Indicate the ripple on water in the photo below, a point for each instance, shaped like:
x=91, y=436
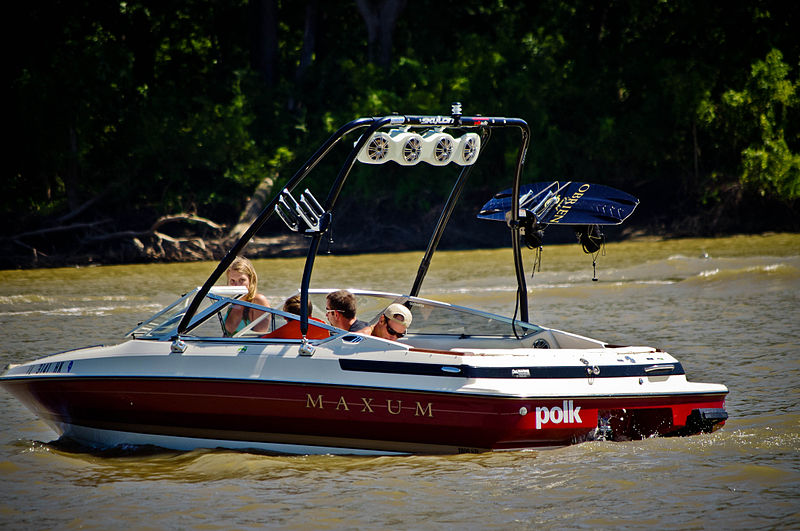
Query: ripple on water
x=732, y=318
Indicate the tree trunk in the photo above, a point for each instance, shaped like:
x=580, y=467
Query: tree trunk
x=380, y=17
x=265, y=47
x=306, y=54
x=309, y=39
x=253, y=208
x=71, y=176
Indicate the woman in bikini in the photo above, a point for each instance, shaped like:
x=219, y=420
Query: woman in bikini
x=242, y=273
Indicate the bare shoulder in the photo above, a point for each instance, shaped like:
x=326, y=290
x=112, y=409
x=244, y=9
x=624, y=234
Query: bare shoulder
x=261, y=299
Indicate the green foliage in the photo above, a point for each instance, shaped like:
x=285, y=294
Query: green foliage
x=763, y=110
x=159, y=104
x=756, y=129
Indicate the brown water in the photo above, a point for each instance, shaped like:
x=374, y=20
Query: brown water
x=728, y=308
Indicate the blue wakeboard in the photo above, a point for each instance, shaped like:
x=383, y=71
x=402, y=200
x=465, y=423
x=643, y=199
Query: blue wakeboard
x=564, y=203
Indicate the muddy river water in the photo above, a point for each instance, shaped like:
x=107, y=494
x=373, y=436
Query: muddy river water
x=728, y=309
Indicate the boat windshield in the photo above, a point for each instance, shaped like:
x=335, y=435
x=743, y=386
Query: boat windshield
x=430, y=317
x=166, y=320
x=434, y=317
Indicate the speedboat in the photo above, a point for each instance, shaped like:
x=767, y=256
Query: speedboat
x=460, y=380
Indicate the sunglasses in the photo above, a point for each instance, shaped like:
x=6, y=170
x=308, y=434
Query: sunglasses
x=391, y=330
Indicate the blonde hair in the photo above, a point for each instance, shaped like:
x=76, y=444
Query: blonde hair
x=244, y=266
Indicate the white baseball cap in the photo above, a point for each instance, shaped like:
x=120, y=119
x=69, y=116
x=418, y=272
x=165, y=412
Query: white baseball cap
x=399, y=314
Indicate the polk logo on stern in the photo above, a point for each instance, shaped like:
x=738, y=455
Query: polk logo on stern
x=558, y=415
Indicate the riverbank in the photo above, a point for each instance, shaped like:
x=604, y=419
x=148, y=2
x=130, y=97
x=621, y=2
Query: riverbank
x=368, y=227
x=288, y=246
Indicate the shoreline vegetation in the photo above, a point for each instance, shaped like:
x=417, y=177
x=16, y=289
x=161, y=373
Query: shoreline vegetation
x=293, y=246
x=152, y=132
x=198, y=239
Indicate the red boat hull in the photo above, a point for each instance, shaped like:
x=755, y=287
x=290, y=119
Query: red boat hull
x=377, y=419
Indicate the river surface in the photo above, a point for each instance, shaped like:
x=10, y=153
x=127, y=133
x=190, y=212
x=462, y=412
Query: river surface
x=728, y=309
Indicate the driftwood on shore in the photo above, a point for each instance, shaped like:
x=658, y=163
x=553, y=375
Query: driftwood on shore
x=163, y=246
x=190, y=238
x=50, y=245
x=179, y=237
x=184, y=236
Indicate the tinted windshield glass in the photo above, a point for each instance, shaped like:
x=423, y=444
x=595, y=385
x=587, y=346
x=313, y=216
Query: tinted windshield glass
x=165, y=319
x=438, y=318
x=165, y=322
x=430, y=319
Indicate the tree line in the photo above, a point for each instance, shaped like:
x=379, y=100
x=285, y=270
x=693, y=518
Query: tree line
x=138, y=126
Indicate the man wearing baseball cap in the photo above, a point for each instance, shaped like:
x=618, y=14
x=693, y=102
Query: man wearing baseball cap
x=393, y=323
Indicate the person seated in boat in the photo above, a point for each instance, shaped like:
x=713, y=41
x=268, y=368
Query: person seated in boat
x=242, y=273
x=341, y=311
x=291, y=330
x=393, y=323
